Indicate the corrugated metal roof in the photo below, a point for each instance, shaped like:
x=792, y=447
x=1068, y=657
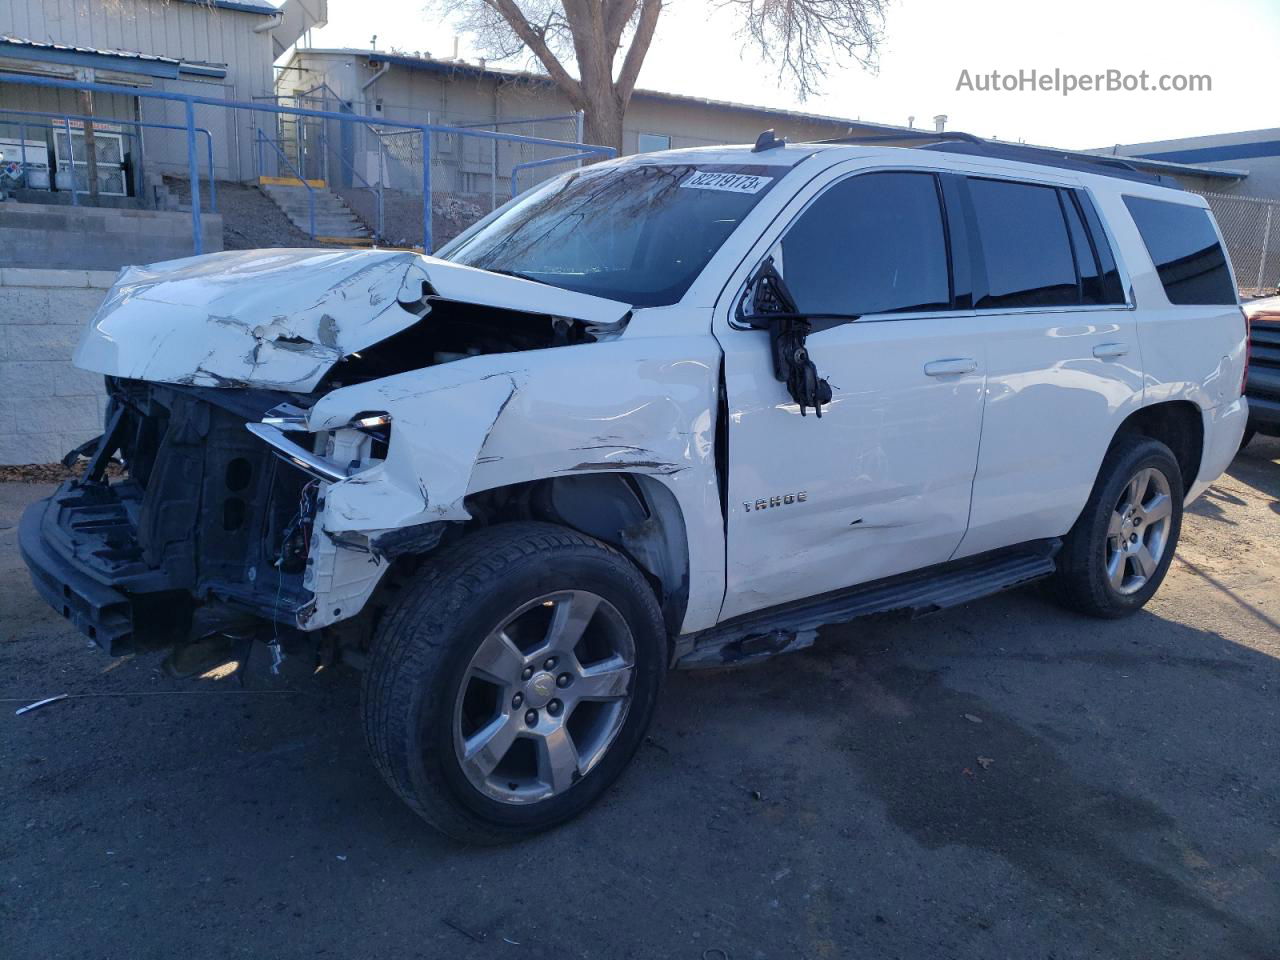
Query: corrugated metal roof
x=65, y=50
x=244, y=6
x=68, y=48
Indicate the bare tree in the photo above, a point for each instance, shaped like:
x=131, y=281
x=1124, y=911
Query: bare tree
x=586, y=37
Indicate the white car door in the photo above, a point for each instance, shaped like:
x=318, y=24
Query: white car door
x=880, y=483
x=1063, y=362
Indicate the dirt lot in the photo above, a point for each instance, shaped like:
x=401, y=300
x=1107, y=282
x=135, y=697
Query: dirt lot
x=1004, y=780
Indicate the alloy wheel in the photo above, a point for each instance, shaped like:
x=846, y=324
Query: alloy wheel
x=1138, y=531
x=544, y=696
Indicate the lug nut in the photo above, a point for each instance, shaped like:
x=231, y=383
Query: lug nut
x=528, y=672
x=531, y=717
x=1133, y=538
x=550, y=664
x=517, y=700
x=554, y=708
x=563, y=680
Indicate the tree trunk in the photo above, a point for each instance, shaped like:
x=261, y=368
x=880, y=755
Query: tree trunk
x=602, y=123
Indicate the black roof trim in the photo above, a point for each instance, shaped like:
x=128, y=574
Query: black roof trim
x=966, y=143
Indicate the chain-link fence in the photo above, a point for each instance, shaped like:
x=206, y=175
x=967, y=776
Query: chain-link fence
x=1251, y=228
x=335, y=175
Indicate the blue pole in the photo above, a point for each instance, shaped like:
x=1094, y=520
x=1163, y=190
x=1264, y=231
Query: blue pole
x=213, y=187
x=426, y=192
x=193, y=171
x=71, y=161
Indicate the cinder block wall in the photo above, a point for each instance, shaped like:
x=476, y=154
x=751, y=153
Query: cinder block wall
x=47, y=406
x=98, y=238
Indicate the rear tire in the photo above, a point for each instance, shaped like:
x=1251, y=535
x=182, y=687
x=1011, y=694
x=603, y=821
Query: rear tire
x=462, y=714
x=1117, y=554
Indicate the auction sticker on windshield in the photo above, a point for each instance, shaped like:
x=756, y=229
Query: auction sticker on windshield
x=731, y=182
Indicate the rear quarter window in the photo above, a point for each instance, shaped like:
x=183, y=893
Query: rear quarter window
x=1185, y=250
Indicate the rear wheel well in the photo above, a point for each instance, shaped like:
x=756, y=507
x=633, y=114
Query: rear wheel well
x=1178, y=425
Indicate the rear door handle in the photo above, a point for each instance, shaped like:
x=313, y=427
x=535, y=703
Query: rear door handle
x=947, y=368
x=1110, y=351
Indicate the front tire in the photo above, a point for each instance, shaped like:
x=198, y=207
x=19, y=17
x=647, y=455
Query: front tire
x=1117, y=554
x=513, y=680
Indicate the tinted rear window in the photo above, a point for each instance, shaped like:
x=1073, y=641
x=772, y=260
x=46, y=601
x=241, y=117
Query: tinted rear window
x=873, y=243
x=1185, y=250
x=1025, y=245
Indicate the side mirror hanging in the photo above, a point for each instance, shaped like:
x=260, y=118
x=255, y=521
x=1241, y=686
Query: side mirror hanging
x=774, y=309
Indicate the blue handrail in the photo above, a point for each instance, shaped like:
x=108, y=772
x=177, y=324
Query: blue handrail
x=548, y=161
x=376, y=190
x=311, y=193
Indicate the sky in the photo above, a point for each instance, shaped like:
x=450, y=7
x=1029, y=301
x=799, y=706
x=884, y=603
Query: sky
x=927, y=46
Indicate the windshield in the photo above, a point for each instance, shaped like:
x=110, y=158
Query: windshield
x=639, y=233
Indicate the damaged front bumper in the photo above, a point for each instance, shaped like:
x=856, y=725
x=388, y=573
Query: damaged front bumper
x=208, y=531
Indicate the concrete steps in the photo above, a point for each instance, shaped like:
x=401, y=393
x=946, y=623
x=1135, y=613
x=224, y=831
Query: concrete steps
x=334, y=220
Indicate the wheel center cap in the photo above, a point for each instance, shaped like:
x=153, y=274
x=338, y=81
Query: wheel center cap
x=539, y=690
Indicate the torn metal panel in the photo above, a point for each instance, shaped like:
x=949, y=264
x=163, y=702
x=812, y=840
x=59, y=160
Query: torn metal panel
x=341, y=578
x=642, y=405
x=283, y=318
x=437, y=434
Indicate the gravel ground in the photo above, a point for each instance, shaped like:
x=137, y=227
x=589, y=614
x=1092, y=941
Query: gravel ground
x=1002, y=780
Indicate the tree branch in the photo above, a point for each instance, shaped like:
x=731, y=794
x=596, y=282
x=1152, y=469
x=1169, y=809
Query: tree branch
x=536, y=41
x=626, y=82
x=617, y=14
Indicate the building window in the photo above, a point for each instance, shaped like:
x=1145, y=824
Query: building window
x=652, y=142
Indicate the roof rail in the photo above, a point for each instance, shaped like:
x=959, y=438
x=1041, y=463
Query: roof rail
x=953, y=141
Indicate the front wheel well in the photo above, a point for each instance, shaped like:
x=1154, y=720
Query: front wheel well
x=633, y=513
x=1178, y=425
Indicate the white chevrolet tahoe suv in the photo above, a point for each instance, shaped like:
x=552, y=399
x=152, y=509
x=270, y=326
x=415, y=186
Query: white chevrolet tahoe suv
x=674, y=410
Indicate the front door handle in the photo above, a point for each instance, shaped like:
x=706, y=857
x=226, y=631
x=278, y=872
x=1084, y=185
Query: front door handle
x=1110, y=351
x=950, y=368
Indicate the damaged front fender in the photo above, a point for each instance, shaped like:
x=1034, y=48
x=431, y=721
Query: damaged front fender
x=644, y=405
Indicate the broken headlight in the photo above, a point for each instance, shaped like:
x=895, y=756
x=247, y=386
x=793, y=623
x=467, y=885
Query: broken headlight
x=330, y=449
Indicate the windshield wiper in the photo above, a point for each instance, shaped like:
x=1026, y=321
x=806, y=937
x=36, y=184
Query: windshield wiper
x=518, y=275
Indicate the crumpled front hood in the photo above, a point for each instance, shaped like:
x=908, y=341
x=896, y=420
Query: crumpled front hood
x=282, y=318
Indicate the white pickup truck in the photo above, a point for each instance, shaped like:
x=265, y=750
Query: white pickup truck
x=674, y=410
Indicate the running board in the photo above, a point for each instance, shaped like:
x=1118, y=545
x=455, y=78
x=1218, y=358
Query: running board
x=766, y=633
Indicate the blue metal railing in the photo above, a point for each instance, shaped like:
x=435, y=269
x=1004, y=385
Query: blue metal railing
x=374, y=189
x=191, y=101
x=65, y=126
x=311, y=191
x=548, y=161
